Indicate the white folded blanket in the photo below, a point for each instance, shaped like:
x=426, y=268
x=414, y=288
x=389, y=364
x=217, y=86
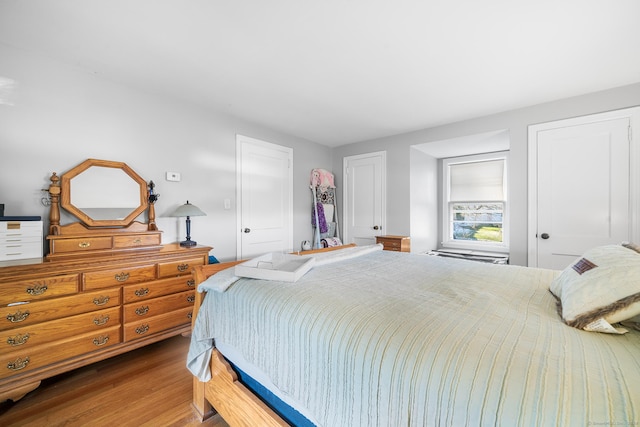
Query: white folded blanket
x=221, y=281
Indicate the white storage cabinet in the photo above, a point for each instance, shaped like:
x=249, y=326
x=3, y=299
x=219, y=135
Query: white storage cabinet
x=20, y=240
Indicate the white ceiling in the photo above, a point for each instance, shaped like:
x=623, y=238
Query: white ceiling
x=341, y=71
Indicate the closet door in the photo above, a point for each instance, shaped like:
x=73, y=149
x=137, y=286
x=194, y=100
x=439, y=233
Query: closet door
x=580, y=187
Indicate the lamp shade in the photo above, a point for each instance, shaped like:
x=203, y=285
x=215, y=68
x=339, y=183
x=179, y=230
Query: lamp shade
x=187, y=210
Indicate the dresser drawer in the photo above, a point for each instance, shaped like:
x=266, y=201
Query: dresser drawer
x=177, y=268
x=40, y=311
x=21, y=251
x=25, y=360
x=20, y=228
x=80, y=245
x=135, y=241
x=8, y=240
x=120, y=276
x=392, y=245
x=144, y=291
x=395, y=243
x=153, y=307
x=37, y=289
x=155, y=324
x=53, y=330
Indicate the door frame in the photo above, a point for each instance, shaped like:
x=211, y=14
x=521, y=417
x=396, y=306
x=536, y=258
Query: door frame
x=240, y=139
x=345, y=191
x=633, y=114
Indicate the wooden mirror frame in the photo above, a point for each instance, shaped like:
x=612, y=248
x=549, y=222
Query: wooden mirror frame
x=65, y=199
x=91, y=237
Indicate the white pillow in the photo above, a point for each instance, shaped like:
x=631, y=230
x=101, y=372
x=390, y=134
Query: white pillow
x=603, y=284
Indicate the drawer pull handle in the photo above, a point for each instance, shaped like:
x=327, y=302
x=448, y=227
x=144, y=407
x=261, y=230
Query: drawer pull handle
x=141, y=311
x=37, y=289
x=137, y=241
x=183, y=267
x=142, y=329
x=122, y=277
x=84, y=245
x=191, y=298
x=20, y=363
x=101, y=320
x=18, y=317
x=191, y=283
x=101, y=300
x=18, y=340
x=101, y=340
x=142, y=292
x=189, y=315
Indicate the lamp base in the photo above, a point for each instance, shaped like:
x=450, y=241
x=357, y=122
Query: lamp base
x=188, y=243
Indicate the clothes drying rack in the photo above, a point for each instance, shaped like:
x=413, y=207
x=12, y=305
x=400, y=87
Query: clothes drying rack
x=325, y=209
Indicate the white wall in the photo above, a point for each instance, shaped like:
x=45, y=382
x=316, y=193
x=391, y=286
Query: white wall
x=62, y=115
x=423, y=201
x=399, y=151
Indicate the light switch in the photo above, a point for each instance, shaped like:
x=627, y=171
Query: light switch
x=173, y=176
x=227, y=203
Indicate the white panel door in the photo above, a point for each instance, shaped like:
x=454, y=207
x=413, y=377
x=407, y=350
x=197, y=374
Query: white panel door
x=364, y=197
x=265, y=192
x=582, y=189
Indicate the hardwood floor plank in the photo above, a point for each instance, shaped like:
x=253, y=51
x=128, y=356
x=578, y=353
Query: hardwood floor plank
x=150, y=386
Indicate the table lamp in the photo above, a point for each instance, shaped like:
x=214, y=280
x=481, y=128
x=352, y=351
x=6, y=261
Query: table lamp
x=188, y=210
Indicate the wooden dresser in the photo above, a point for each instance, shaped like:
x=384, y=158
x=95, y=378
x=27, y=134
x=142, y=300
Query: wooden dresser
x=106, y=286
x=395, y=243
x=59, y=315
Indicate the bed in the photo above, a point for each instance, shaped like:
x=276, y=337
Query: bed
x=377, y=338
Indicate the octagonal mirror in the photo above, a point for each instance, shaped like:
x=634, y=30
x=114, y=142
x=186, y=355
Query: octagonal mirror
x=103, y=193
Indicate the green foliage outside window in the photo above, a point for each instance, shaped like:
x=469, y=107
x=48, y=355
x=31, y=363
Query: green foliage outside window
x=477, y=221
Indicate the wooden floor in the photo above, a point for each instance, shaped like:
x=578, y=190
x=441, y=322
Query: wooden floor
x=146, y=387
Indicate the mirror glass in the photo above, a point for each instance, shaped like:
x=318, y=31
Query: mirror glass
x=104, y=193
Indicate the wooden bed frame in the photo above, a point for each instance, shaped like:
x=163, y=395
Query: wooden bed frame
x=223, y=393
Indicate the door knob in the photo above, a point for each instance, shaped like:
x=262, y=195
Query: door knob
x=247, y=230
x=545, y=236
x=375, y=227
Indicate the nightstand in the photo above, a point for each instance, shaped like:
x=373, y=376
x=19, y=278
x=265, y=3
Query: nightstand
x=395, y=243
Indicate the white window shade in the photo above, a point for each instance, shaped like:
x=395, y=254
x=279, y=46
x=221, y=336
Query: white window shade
x=476, y=181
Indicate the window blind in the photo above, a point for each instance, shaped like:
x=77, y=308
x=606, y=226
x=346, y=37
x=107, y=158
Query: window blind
x=477, y=181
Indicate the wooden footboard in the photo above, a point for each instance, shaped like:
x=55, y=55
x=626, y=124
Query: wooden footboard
x=231, y=399
x=224, y=394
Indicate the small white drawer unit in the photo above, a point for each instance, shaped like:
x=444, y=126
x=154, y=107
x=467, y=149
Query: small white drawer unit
x=20, y=239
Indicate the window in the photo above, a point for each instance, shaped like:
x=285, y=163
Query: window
x=475, y=202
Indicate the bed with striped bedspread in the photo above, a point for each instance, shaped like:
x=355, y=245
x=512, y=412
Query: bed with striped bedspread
x=378, y=338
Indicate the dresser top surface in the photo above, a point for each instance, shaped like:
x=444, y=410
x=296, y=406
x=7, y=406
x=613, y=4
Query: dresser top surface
x=39, y=266
x=20, y=218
